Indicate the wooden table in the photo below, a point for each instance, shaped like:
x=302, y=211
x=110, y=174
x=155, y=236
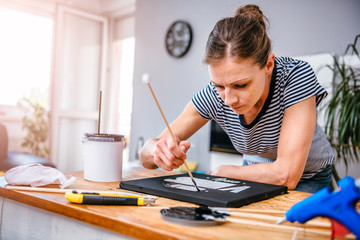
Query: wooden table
x=51, y=216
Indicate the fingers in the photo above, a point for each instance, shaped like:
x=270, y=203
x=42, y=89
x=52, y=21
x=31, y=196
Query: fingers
x=185, y=145
x=168, y=155
x=175, y=149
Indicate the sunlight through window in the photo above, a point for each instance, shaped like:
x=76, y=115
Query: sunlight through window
x=25, y=59
x=127, y=55
x=126, y=91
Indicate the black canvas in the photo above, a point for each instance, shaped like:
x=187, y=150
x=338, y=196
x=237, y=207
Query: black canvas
x=215, y=191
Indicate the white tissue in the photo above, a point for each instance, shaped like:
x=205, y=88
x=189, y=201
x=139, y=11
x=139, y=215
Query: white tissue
x=37, y=175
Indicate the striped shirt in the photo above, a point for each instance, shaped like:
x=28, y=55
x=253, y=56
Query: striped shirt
x=292, y=81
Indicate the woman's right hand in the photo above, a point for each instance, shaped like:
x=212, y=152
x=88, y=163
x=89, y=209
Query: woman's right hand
x=164, y=153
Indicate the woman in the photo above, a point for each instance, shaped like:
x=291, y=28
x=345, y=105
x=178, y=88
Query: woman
x=266, y=104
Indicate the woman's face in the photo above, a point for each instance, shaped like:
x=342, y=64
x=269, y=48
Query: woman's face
x=242, y=85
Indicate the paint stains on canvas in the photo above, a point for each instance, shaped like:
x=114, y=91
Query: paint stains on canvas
x=215, y=183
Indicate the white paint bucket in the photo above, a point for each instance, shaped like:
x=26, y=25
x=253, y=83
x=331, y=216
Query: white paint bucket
x=102, y=155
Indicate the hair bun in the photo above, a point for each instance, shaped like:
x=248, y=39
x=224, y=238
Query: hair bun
x=252, y=11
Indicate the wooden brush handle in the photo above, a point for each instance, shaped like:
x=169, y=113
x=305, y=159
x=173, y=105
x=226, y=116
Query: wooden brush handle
x=168, y=126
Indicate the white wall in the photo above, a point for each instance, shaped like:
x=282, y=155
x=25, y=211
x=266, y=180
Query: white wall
x=297, y=28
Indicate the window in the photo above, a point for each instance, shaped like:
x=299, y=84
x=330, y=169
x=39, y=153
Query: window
x=127, y=47
x=25, y=59
x=125, y=51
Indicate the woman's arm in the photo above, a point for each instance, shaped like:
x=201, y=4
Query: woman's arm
x=162, y=151
x=297, y=131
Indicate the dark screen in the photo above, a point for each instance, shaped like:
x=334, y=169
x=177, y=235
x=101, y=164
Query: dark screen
x=219, y=140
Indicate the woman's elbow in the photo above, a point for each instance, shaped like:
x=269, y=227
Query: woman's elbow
x=290, y=180
x=291, y=185
x=287, y=175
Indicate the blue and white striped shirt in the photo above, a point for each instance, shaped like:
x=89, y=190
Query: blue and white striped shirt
x=292, y=81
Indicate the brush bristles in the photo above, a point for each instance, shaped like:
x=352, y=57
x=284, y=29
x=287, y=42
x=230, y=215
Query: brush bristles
x=145, y=78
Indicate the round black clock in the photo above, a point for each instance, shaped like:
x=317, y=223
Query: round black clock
x=178, y=38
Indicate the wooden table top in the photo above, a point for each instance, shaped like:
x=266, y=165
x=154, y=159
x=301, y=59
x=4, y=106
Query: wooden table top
x=145, y=222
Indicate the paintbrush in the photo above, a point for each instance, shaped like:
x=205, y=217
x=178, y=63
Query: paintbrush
x=66, y=190
x=145, y=79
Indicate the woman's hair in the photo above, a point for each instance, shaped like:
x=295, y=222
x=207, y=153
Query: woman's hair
x=240, y=37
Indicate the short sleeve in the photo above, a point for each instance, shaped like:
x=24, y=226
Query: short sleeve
x=206, y=102
x=302, y=84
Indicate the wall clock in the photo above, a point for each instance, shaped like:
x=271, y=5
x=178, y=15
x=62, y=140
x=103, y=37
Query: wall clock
x=178, y=38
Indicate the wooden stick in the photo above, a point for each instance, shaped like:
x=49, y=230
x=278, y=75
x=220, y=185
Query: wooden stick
x=38, y=189
x=57, y=190
x=255, y=215
x=312, y=223
x=233, y=215
x=170, y=131
x=162, y=113
x=99, y=113
x=230, y=210
x=62, y=191
x=234, y=219
x=241, y=211
x=275, y=226
x=270, y=211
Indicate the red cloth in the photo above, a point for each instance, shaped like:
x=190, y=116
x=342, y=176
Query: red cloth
x=338, y=230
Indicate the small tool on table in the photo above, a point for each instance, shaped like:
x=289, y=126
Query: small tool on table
x=94, y=198
x=339, y=206
x=145, y=79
